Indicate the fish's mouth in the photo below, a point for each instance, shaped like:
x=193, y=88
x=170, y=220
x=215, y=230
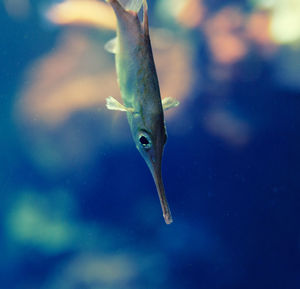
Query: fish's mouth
x=157, y=176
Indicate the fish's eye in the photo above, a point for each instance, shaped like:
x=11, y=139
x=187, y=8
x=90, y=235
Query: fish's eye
x=145, y=141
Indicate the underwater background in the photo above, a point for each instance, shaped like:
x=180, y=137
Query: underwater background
x=78, y=206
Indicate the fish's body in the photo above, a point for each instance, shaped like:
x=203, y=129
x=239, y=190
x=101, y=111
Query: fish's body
x=140, y=91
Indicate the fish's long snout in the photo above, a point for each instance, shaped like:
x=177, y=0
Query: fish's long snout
x=156, y=173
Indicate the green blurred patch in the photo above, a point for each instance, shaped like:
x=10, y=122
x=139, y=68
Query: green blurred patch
x=42, y=221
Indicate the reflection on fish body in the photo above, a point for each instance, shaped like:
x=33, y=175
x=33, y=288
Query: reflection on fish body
x=139, y=88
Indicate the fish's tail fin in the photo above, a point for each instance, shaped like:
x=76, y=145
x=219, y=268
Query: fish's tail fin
x=136, y=6
x=133, y=5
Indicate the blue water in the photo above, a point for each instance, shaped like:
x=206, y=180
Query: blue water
x=78, y=205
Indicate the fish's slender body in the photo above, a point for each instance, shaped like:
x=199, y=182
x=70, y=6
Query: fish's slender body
x=140, y=91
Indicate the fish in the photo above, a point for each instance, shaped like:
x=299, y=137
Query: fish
x=139, y=87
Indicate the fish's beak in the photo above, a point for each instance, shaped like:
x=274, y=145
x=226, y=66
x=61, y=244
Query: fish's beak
x=156, y=173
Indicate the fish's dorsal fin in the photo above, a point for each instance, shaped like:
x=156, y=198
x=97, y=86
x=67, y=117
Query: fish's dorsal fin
x=111, y=46
x=169, y=102
x=133, y=5
x=113, y=104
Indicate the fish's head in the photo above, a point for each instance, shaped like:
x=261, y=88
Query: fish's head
x=151, y=146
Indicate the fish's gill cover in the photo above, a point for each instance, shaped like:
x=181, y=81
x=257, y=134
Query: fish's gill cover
x=134, y=5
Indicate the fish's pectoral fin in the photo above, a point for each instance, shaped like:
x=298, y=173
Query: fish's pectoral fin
x=113, y=104
x=169, y=102
x=111, y=46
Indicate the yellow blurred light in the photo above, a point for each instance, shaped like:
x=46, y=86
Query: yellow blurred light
x=84, y=12
x=285, y=22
